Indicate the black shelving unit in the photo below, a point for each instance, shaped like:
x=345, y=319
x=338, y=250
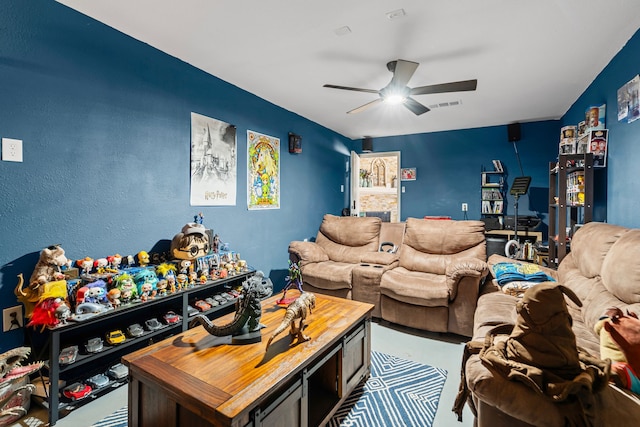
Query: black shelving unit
x=563, y=213
x=49, y=343
x=492, y=203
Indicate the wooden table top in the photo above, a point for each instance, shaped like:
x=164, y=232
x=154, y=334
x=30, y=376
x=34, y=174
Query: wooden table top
x=221, y=381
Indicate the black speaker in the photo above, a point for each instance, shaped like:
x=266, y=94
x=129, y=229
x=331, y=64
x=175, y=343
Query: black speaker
x=513, y=130
x=367, y=145
x=295, y=143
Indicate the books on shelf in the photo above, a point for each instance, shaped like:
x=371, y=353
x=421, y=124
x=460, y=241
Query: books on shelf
x=491, y=194
x=492, y=207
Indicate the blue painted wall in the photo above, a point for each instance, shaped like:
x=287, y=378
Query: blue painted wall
x=449, y=164
x=105, y=122
x=617, y=193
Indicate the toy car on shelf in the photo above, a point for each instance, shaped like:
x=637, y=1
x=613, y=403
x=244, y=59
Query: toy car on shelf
x=94, y=345
x=202, y=305
x=115, y=337
x=76, y=391
x=98, y=381
x=191, y=311
x=220, y=298
x=171, y=318
x=212, y=302
x=153, y=324
x=118, y=371
x=68, y=355
x=135, y=330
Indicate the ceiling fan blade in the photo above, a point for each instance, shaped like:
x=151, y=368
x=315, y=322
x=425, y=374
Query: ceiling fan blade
x=415, y=107
x=402, y=72
x=365, y=106
x=461, y=86
x=351, y=88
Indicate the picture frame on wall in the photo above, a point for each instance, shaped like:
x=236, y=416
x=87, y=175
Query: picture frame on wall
x=408, y=174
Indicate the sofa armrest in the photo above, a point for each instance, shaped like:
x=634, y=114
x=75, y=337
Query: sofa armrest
x=307, y=252
x=382, y=258
x=461, y=268
x=495, y=259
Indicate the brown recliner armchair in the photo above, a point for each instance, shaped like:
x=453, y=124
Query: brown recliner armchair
x=435, y=286
x=347, y=260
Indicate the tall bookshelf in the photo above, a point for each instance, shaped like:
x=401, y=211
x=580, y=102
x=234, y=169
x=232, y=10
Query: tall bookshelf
x=570, y=200
x=492, y=194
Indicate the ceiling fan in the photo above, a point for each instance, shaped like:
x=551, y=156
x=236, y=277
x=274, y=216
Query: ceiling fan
x=398, y=92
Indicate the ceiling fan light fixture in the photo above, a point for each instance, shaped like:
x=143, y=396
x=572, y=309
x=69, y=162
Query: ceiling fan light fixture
x=395, y=99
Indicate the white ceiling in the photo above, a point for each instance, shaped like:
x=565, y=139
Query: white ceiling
x=532, y=59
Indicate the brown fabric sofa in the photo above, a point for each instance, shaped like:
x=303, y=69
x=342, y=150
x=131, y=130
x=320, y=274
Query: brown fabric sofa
x=430, y=283
x=602, y=269
x=345, y=260
x=436, y=283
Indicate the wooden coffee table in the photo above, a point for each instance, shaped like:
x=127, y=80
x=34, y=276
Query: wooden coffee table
x=194, y=379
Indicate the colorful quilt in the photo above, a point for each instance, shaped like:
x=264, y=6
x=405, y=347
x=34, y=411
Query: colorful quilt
x=506, y=272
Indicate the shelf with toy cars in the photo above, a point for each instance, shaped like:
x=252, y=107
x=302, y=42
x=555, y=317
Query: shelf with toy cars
x=54, y=341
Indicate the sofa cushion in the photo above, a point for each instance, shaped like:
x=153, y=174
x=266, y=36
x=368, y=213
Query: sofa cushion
x=351, y=230
x=445, y=240
x=590, y=245
x=416, y=288
x=621, y=269
x=346, y=238
x=494, y=308
x=328, y=274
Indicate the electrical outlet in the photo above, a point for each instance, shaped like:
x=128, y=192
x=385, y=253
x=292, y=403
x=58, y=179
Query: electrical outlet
x=11, y=150
x=12, y=318
x=465, y=207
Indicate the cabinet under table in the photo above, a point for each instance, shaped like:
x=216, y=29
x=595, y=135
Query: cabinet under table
x=194, y=379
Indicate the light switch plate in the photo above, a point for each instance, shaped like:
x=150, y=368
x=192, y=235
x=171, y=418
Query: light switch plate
x=11, y=150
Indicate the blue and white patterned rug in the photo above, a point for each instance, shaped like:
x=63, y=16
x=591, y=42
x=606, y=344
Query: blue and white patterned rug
x=399, y=392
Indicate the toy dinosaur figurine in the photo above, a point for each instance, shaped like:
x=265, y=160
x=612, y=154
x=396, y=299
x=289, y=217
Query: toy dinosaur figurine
x=248, y=311
x=299, y=309
x=15, y=390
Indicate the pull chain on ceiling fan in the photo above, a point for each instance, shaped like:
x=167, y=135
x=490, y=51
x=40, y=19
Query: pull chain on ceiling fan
x=397, y=90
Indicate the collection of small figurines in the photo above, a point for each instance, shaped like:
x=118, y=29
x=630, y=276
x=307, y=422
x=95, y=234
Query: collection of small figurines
x=60, y=290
